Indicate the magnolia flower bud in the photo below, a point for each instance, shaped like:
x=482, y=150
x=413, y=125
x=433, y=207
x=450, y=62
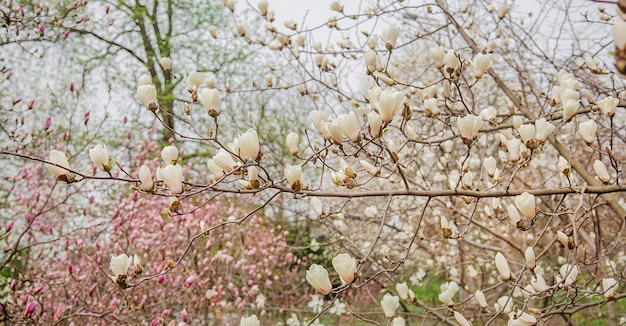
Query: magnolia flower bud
x=145, y=176
x=469, y=126
x=375, y=123
x=526, y=204
x=529, y=255
x=317, y=207
x=438, y=53
x=250, y=321
x=588, y=131
x=317, y=276
x=390, y=303
x=480, y=297
x=99, y=155
x=461, y=319
x=568, y=242
x=194, y=80
x=58, y=157
x=390, y=102
x=503, y=267
x=482, y=62
x=263, y=5
x=608, y=106
x=166, y=63
x=293, y=173
x=521, y=319
x=224, y=160
x=609, y=286
x=390, y=35
x=120, y=264
x=211, y=99
x=452, y=61
x=147, y=95
x=335, y=128
x=543, y=129
x=173, y=178
x=619, y=34
x=345, y=266
x=317, y=117
x=514, y=215
x=410, y=133
x=292, y=143
x=169, y=154
x=601, y=171
x=517, y=121
x=403, y=290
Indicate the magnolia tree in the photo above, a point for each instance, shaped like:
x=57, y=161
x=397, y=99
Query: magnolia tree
x=461, y=165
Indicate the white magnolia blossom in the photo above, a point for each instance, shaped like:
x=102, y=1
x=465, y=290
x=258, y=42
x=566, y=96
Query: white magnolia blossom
x=448, y=290
x=210, y=98
x=570, y=107
x=169, y=154
x=569, y=273
x=147, y=95
x=526, y=204
x=480, y=298
x=166, y=63
x=371, y=60
x=469, y=126
x=588, y=131
x=390, y=304
x=529, y=255
x=514, y=215
x=336, y=6
x=58, y=157
x=390, y=35
x=263, y=6
x=521, y=318
x=619, y=33
x=398, y=321
x=404, y=292
x=490, y=164
x=145, y=176
x=601, y=171
x=172, y=176
x=99, y=155
x=350, y=126
x=461, y=319
x=371, y=169
x=224, y=160
x=317, y=276
x=120, y=264
x=482, y=62
x=608, y=105
x=431, y=107
x=504, y=304
x=144, y=80
x=194, y=80
x=563, y=165
x=389, y=104
x=503, y=10
x=538, y=283
x=216, y=171
x=318, y=208
x=452, y=61
x=317, y=117
x=345, y=266
x=252, y=320
x=543, y=129
x=563, y=238
x=503, y=267
x=246, y=145
x=438, y=53
x=527, y=133
x=292, y=142
x=609, y=286
x=293, y=173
